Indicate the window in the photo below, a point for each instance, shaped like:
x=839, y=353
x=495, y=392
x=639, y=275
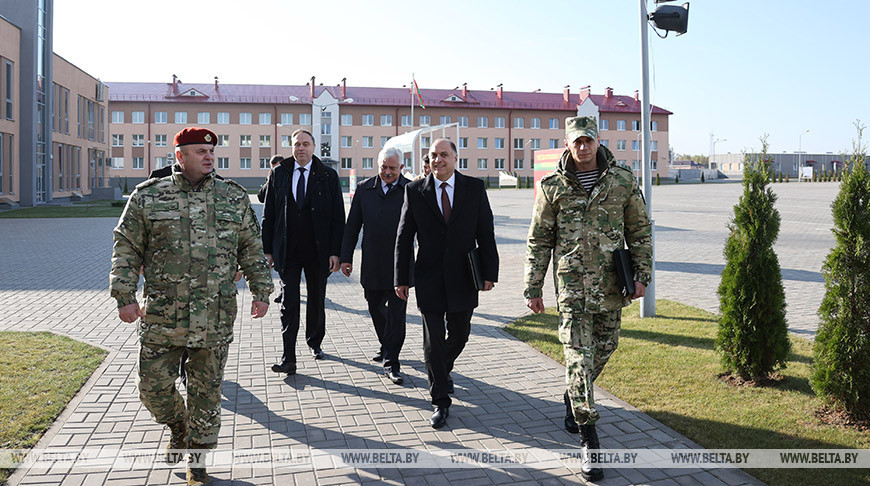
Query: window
x=482, y=142
x=286, y=118
x=138, y=163
x=621, y=162
x=180, y=117
x=245, y=163
x=244, y=118
x=203, y=118
x=518, y=144
x=554, y=123
x=463, y=142
x=406, y=120
x=519, y=122
x=368, y=120
x=138, y=140
x=499, y=122
x=463, y=163
x=160, y=162
x=346, y=120
x=620, y=145
x=620, y=125
x=160, y=117
x=499, y=164
x=606, y=143
x=264, y=163
x=654, y=126
x=117, y=116
x=654, y=146
x=138, y=117
x=554, y=143
x=518, y=164
x=346, y=163
x=654, y=164
x=463, y=121
x=159, y=140
x=499, y=143
x=425, y=141
x=367, y=162
x=265, y=140
x=223, y=162
x=635, y=164
x=244, y=140
x=346, y=141
x=223, y=119
x=9, y=89
x=384, y=141
x=634, y=145
x=117, y=140
x=305, y=118
x=444, y=120
x=481, y=163
x=386, y=120
x=265, y=118
x=604, y=124
x=285, y=140
x=368, y=142
x=535, y=143
x=117, y=162
x=425, y=120
x=635, y=125
x=535, y=123
x=483, y=121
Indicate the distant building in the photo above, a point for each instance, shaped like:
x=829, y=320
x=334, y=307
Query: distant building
x=785, y=163
x=53, y=134
x=497, y=130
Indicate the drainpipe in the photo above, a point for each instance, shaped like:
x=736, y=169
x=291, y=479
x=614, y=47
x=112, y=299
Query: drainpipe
x=148, y=149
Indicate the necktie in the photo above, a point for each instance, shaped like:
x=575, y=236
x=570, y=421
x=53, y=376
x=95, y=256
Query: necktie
x=445, y=202
x=389, y=186
x=300, y=188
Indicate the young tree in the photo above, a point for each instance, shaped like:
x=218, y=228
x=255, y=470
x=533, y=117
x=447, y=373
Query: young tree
x=753, y=335
x=841, y=369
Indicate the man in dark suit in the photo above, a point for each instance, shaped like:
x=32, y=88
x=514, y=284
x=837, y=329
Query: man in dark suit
x=377, y=205
x=303, y=221
x=450, y=215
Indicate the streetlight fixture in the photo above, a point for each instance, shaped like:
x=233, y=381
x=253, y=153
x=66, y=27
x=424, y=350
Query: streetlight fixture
x=799, y=153
x=714, y=151
x=667, y=18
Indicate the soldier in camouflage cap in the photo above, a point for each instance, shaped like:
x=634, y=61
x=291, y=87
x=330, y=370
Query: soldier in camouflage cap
x=589, y=207
x=188, y=232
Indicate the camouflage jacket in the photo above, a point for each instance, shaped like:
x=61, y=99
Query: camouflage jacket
x=581, y=230
x=189, y=243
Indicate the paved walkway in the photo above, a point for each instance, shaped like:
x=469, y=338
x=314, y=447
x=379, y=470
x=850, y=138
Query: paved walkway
x=54, y=276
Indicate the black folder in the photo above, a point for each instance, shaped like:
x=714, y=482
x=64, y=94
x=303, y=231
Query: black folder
x=624, y=271
x=473, y=258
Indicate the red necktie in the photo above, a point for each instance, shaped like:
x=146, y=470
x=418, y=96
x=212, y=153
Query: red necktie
x=445, y=202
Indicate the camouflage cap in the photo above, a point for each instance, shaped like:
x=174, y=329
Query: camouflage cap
x=580, y=126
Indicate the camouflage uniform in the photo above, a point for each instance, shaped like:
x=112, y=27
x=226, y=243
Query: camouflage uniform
x=580, y=231
x=189, y=242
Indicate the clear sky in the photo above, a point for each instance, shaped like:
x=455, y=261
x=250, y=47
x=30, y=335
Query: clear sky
x=745, y=68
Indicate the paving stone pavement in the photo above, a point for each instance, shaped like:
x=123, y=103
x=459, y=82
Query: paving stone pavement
x=54, y=276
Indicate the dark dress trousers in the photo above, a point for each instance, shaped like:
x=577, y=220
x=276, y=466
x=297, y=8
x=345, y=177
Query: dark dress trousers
x=377, y=214
x=444, y=288
x=302, y=239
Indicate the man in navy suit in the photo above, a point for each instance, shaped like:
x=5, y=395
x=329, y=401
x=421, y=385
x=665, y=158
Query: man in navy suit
x=377, y=205
x=450, y=215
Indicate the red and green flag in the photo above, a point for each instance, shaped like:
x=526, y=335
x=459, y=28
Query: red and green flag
x=419, y=96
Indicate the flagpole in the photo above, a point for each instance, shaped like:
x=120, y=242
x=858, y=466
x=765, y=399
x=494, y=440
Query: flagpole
x=413, y=149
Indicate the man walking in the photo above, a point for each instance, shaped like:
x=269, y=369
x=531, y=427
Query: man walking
x=587, y=209
x=377, y=206
x=303, y=221
x=187, y=233
x=450, y=215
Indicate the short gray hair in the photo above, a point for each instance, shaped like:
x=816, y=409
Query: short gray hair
x=389, y=153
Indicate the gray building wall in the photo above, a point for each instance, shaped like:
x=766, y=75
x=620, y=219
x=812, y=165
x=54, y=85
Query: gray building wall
x=786, y=163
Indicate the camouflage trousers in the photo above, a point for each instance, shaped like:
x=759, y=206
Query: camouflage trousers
x=158, y=370
x=588, y=340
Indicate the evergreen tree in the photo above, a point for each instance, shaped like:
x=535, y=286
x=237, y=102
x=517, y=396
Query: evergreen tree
x=702, y=177
x=658, y=181
x=753, y=335
x=841, y=368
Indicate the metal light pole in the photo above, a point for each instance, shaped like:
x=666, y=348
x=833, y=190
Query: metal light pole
x=799, y=153
x=647, y=302
x=714, y=150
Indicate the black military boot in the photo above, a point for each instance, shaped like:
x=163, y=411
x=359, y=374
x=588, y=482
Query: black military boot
x=177, y=445
x=570, y=424
x=589, y=441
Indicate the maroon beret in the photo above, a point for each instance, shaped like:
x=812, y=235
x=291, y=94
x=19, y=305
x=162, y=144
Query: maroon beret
x=191, y=135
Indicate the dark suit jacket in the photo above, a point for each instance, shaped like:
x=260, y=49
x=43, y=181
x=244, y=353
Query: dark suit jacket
x=379, y=213
x=323, y=201
x=441, y=273
x=261, y=195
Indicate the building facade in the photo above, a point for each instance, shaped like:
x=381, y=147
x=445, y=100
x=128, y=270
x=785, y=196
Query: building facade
x=494, y=130
x=53, y=135
x=785, y=163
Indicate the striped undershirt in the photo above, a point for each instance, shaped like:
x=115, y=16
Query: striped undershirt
x=587, y=178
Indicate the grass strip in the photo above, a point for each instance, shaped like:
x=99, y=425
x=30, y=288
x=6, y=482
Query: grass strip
x=89, y=209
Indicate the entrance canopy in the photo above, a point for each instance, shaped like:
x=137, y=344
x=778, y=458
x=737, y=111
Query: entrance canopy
x=409, y=142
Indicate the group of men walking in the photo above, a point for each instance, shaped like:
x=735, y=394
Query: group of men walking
x=189, y=232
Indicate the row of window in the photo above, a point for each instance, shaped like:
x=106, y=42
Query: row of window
x=635, y=145
x=222, y=163
x=620, y=125
x=204, y=118
x=138, y=140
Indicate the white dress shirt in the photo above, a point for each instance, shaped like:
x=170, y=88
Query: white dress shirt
x=451, y=185
x=296, y=175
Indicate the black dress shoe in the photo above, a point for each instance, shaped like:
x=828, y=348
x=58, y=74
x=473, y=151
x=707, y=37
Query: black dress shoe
x=439, y=418
x=395, y=377
x=317, y=353
x=289, y=368
x=278, y=299
x=449, y=386
x=378, y=357
x=570, y=423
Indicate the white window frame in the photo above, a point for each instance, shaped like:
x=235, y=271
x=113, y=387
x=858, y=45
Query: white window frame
x=245, y=118
x=203, y=118
x=223, y=118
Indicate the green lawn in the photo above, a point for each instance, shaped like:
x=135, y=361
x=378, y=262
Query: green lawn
x=666, y=366
x=89, y=209
x=39, y=373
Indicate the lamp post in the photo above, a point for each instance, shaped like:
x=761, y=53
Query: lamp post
x=710, y=165
x=799, y=152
